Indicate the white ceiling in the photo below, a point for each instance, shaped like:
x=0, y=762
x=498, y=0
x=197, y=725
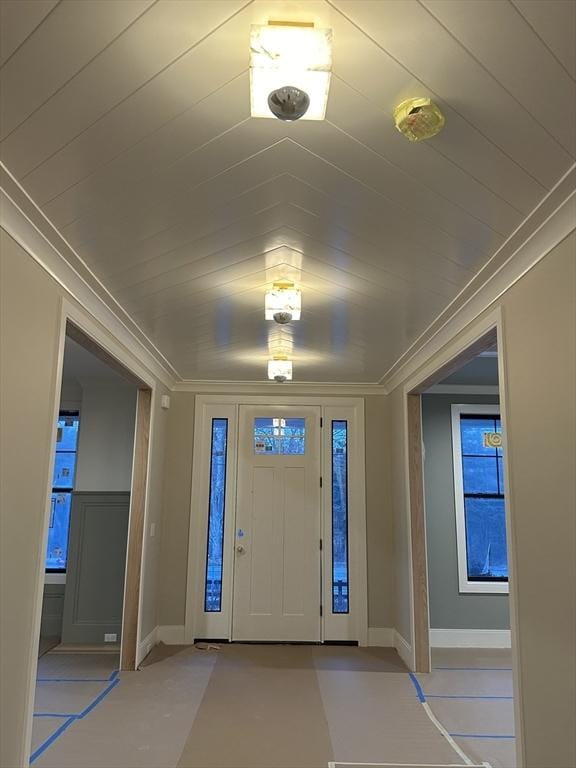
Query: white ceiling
x=128, y=123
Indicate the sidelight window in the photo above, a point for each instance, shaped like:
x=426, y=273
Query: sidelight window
x=216, y=510
x=340, y=585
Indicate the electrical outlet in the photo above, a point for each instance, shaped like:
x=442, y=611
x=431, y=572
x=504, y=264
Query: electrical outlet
x=110, y=637
x=152, y=530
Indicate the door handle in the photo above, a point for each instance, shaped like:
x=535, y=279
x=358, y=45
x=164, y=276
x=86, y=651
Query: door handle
x=240, y=549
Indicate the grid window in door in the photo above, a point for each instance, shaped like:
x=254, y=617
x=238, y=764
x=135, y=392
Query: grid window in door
x=483, y=504
x=285, y=436
x=216, y=511
x=62, y=487
x=340, y=587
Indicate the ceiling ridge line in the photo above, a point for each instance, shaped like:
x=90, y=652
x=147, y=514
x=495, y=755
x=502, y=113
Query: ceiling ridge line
x=187, y=243
x=209, y=179
x=394, y=204
x=219, y=269
x=82, y=68
x=524, y=233
x=433, y=147
x=84, y=274
x=363, y=239
x=149, y=177
x=495, y=79
x=424, y=186
x=331, y=198
x=355, y=291
x=363, y=264
x=435, y=93
x=143, y=138
x=183, y=308
x=142, y=85
x=179, y=222
x=544, y=43
x=29, y=35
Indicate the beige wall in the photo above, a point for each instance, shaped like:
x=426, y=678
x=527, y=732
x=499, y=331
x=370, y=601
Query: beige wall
x=379, y=522
x=176, y=503
x=30, y=328
x=176, y=522
x=539, y=343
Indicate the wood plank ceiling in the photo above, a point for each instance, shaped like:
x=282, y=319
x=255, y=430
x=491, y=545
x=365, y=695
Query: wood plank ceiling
x=128, y=123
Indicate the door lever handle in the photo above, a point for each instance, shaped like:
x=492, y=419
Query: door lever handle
x=240, y=549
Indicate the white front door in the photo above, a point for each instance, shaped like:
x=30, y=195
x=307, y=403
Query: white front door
x=277, y=576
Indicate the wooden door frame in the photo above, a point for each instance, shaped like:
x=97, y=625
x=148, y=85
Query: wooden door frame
x=79, y=327
x=487, y=339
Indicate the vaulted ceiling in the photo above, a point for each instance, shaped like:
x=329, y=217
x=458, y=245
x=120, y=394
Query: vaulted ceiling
x=128, y=123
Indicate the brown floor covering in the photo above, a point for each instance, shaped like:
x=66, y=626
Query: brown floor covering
x=77, y=665
x=266, y=706
x=262, y=709
x=161, y=652
x=479, y=673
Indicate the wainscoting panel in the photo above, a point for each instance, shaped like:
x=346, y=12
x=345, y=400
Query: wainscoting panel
x=96, y=567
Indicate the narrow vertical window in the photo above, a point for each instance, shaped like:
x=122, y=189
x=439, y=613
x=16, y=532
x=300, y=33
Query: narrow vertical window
x=340, y=597
x=215, y=547
x=62, y=487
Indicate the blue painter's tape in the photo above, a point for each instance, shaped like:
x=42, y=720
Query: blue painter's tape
x=57, y=733
x=457, y=696
x=475, y=669
x=114, y=675
x=98, y=699
x=72, y=718
x=481, y=736
x=52, y=714
x=73, y=679
x=418, y=687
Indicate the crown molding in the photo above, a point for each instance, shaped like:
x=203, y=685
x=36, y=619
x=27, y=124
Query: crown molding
x=21, y=218
x=553, y=219
x=334, y=389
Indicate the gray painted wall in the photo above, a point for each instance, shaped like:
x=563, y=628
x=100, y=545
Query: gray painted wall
x=52, y=610
x=448, y=608
x=96, y=565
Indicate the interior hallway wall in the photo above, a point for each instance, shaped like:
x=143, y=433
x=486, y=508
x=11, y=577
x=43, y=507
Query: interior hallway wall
x=176, y=503
x=106, y=436
x=539, y=340
x=29, y=337
x=449, y=608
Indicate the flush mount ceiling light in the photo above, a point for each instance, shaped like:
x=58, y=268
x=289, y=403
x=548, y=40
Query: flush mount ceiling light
x=418, y=119
x=283, y=303
x=280, y=369
x=290, y=68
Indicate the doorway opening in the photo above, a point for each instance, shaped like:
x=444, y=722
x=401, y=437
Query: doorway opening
x=463, y=593
x=94, y=546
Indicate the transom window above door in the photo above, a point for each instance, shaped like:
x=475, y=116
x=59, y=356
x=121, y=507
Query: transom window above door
x=280, y=436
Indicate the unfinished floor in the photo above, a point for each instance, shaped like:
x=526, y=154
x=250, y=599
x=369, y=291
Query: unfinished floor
x=270, y=706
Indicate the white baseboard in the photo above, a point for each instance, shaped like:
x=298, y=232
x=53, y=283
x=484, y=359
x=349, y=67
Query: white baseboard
x=146, y=645
x=470, y=638
x=404, y=649
x=381, y=636
x=171, y=634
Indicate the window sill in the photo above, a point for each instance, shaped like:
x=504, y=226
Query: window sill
x=484, y=588
x=54, y=578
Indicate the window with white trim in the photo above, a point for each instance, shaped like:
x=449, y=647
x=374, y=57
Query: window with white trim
x=479, y=498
